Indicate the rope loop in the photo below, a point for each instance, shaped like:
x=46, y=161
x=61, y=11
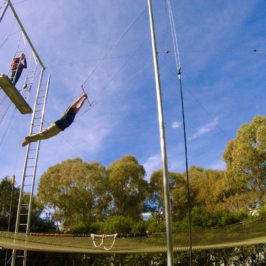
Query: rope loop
x=93, y=236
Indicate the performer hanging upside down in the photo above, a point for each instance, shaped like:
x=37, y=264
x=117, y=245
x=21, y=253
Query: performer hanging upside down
x=17, y=66
x=65, y=121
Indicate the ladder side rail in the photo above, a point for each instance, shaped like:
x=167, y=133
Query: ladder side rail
x=35, y=165
x=25, y=169
x=37, y=156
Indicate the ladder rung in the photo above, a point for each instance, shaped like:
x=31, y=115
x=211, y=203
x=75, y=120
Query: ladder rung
x=23, y=224
x=23, y=214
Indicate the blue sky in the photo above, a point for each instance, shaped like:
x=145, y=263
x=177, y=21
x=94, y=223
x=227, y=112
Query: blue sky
x=108, y=43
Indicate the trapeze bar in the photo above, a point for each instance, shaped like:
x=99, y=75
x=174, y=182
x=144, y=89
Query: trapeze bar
x=13, y=94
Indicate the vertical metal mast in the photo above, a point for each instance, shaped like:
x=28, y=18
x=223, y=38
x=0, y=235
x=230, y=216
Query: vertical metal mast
x=167, y=205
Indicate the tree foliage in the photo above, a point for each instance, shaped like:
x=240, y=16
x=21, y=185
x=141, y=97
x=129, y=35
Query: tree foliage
x=127, y=186
x=86, y=197
x=77, y=191
x=207, y=187
x=245, y=157
x=178, y=194
x=6, y=187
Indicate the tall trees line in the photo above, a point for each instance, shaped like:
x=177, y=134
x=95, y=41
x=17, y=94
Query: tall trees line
x=82, y=196
x=81, y=192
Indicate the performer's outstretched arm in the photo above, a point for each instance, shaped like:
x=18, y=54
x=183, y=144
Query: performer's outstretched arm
x=79, y=102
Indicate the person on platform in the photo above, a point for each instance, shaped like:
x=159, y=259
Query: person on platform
x=17, y=66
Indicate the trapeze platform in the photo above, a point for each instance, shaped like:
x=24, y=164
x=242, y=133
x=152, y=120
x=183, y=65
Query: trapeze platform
x=13, y=94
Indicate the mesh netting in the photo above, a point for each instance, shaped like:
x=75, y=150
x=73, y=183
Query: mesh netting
x=245, y=233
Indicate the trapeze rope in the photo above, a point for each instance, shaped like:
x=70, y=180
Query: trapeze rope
x=110, y=50
x=178, y=68
x=111, y=78
x=9, y=124
x=94, y=243
x=112, y=243
x=5, y=112
x=7, y=37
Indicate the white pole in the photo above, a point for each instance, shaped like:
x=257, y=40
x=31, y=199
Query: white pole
x=167, y=205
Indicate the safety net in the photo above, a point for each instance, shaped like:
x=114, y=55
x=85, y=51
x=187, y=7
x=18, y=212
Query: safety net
x=241, y=234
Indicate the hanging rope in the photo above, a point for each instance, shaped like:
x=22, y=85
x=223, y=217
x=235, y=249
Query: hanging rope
x=111, y=78
x=93, y=236
x=18, y=51
x=111, y=49
x=93, y=240
x=111, y=244
x=178, y=68
x=7, y=37
x=9, y=123
x=30, y=77
x=5, y=112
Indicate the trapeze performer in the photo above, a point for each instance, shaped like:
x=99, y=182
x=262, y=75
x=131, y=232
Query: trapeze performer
x=17, y=66
x=55, y=128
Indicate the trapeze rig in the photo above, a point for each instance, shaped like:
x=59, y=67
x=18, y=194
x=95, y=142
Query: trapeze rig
x=37, y=119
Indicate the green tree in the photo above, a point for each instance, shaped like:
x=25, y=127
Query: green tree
x=178, y=193
x=207, y=187
x=127, y=186
x=76, y=190
x=245, y=157
x=6, y=187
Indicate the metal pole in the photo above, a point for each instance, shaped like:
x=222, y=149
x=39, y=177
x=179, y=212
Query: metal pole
x=167, y=205
x=25, y=34
x=4, y=11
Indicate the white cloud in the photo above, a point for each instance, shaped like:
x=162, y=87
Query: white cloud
x=218, y=165
x=176, y=124
x=152, y=164
x=205, y=129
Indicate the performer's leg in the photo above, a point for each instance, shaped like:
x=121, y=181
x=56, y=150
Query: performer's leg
x=45, y=134
x=12, y=77
x=17, y=76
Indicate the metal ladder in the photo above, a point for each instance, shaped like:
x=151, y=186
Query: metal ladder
x=23, y=218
